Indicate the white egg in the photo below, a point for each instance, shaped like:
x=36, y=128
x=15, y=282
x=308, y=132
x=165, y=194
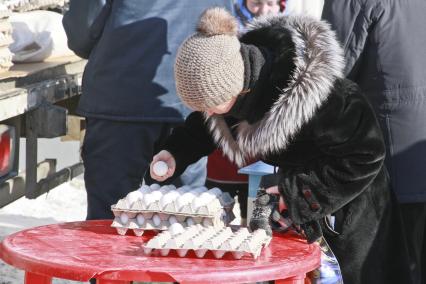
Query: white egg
x=195, y=203
x=164, y=189
x=184, y=189
x=124, y=218
x=185, y=199
x=216, y=191
x=133, y=196
x=207, y=222
x=140, y=219
x=199, y=201
x=190, y=221
x=200, y=189
x=172, y=220
x=154, y=186
x=207, y=196
x=160, y=168
x=172, y=187
x=152, y=197
x=168, y=198
x=156, y=220
x=176, y=228
x=148, y=199
x=144, y=189
x=157, y=195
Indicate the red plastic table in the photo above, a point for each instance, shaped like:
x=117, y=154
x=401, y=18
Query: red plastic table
x=92, y=249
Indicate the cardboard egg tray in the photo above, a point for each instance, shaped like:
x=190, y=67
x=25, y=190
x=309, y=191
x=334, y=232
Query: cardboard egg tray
x=140, y=222
x=29, y=5
x=5, y=39
x=203, y=239
x=133, y=213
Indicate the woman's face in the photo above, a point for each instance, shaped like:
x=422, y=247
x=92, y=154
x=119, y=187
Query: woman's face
x=263, y=7
x=222, y=108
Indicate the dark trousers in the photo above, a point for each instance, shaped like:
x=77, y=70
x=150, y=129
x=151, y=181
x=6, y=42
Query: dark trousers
x=414, y=219
x=116, y=156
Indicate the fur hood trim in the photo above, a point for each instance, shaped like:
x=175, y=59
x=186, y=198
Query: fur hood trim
x=318, y=63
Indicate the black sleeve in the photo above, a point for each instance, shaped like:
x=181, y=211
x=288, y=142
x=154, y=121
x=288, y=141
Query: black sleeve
x=190, y=142
x=84, y=23
x=352, y=154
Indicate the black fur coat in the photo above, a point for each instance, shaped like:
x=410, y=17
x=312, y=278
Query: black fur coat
x=322, y=134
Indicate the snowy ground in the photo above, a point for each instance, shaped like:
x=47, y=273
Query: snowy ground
x=65, y=203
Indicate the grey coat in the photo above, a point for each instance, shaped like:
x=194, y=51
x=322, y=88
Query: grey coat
x=384, y=44
x=131, y=46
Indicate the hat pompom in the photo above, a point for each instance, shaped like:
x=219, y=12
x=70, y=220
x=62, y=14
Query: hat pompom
x=217, y=21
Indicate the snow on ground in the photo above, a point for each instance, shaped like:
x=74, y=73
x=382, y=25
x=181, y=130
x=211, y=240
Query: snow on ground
x=65, y=203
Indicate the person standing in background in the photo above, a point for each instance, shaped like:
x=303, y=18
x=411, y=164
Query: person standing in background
x=129, y=98
x=246, y=10
x=384, y=47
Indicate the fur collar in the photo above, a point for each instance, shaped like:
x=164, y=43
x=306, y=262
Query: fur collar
x=318, y=63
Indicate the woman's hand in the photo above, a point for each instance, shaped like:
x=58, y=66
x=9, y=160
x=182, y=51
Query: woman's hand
x=166, y=157
x=274, y=191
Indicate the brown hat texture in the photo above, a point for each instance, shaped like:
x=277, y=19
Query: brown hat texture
x=209, y=68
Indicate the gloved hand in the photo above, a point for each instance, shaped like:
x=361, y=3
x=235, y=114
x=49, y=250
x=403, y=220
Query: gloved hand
x=264, y=205
x=269, y=212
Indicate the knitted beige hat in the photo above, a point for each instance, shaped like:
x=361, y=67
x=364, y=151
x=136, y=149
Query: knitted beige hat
x=209, y=68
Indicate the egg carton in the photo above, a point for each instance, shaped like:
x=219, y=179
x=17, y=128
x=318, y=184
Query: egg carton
x=5, y=39
x=5, y=59
x=203, y=239
x=29, y=5
x=5, y=33
x=140, y=222
x=4, y=11
x=168, y=200
x=157, y=207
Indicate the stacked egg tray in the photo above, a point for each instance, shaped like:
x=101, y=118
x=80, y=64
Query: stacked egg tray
x=5, y=38
x=30, y=5
x=203, y=239
x=157, y=208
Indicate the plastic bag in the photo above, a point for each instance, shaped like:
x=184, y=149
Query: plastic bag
x=38, y=35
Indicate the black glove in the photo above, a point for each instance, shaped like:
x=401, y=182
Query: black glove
x=266, y=215
x=262, y=211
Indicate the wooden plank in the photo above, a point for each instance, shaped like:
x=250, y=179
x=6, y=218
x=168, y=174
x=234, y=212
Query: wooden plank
x=24, y=69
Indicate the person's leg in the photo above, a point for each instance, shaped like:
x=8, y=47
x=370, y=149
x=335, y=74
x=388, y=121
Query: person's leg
x=115, y=156
x=423, y=263
x=413, y=217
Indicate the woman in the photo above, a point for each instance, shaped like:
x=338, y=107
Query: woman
x=246, y=10
x=277, y=94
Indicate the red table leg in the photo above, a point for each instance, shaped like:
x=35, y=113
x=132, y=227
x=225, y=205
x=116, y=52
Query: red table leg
x=103, y=281
x=300, y=279
x=33, y=278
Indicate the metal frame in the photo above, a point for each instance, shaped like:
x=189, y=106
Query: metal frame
x=16, y=123
x=29, y=100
